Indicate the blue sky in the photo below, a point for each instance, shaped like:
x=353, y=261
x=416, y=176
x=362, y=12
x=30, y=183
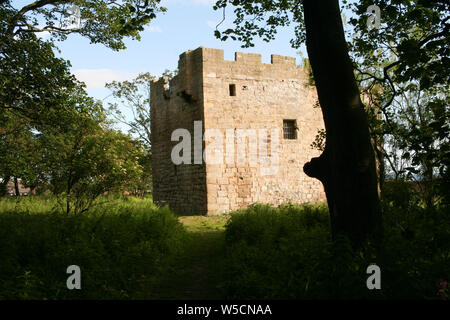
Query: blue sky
x=186, y=25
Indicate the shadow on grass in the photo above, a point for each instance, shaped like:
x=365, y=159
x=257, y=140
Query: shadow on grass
x=197, y=272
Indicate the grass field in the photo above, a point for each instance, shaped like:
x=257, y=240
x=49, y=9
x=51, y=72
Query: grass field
x=127, y=248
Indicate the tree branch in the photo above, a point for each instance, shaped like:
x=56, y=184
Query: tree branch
x=30, y=7
x=47, y=28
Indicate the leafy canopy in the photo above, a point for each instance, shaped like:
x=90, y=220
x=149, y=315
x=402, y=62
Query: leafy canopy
x=106, y=22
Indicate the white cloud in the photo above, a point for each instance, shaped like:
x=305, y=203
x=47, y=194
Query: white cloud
x=44, y=35
x=97, y=78
x=153, y=29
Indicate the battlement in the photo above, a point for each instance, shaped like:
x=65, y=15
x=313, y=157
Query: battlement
x=194, y=65
x=217, y=56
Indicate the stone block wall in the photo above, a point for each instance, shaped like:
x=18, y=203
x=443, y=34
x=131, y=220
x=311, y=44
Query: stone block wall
x=266, y=94
x=263, y=95
x=177, y=104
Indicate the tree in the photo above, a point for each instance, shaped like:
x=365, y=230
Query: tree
x=408, y=82
x=40, y=99
x=33, y=81
x=104, y=161
x=133, y=96
x=16, y=148
x=347, y=165
x=106, y=22
x=412, y=45
x=43, y=106
x=79, y=162
x=36, y=97
x=88, y=158
x=417, y=143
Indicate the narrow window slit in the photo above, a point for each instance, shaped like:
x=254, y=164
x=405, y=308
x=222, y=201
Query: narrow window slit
x=232, y=90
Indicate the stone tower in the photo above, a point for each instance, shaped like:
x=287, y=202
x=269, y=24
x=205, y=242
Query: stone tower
x=254, y=121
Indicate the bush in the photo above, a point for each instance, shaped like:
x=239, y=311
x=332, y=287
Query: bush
x=287, y=253
x=121, y=249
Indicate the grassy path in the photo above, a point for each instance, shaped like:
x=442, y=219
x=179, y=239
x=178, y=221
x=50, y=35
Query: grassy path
x=197, y=273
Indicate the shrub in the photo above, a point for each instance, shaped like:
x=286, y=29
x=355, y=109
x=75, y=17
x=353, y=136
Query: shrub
x=121, y=249
x=287, y=253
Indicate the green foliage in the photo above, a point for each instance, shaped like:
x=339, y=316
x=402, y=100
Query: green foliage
x=28, y=147
x=412, y=43
x=403, y=68
x=133, y=95
x=89, y=163
x=287, y=253
x=122, y=249
x=37, y=205
x=39, y=97
x=319, y=141
x=129, y=249
x=417, y=251
x=106, y=22
x=266, y=17
x=400, y=194
x=51, y=132
x=422, y=131
x=80, y=158
x=17, y=148
x=34, y=83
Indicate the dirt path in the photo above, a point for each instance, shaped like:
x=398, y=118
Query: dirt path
x=197, y=273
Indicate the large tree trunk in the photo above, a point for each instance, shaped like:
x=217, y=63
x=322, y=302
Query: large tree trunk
x=347, y=166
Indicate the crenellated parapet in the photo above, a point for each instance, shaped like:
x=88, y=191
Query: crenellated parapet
x=193, y=65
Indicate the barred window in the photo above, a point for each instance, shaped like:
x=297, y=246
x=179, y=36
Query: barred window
x=290, y=129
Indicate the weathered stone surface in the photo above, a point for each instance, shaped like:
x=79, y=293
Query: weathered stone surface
x=265, y=95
